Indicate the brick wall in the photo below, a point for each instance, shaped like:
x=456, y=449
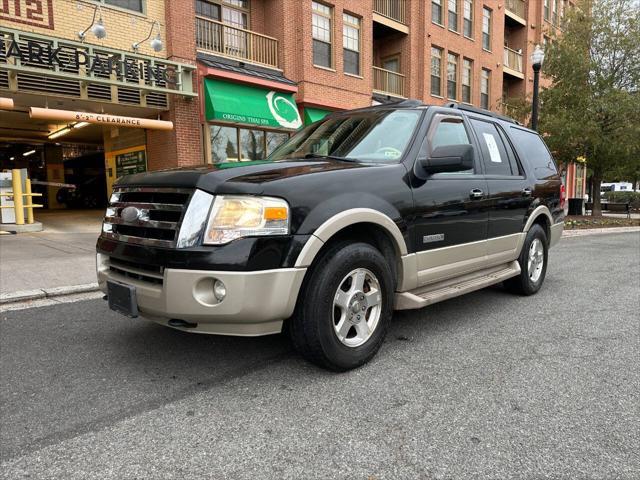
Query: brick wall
x=182, y=146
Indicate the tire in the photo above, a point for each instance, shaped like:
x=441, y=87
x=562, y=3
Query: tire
x=341, y=330
x=536, y=249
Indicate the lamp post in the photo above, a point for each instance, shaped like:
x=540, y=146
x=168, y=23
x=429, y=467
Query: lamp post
x=537, y=57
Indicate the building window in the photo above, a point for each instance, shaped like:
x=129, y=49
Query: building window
x=436, y=11
x=436, y=71
x=453, y=15
x=135, y=5
x=467, y=78
x=546, y=10
x=351, y=43
x=231, y=144
x=555, y=11
x=486, y=28
x=452, y=76
x=321, y=28
x=467, y=23
x=485, y=84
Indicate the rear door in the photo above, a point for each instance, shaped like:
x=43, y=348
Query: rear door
x=451, y=215
x=509, y=191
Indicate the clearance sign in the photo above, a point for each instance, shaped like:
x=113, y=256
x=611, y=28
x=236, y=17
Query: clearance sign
x=98, y=118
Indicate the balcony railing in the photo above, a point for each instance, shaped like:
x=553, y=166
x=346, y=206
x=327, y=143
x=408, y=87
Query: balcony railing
x=393, y=9
x=386, y=81
x=513, y=59
x=221, y=39
x=517, y=7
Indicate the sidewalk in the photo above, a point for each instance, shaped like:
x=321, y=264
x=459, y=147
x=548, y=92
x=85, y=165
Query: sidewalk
x=62, y=254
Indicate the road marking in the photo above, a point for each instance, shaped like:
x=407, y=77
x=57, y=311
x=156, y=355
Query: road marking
x=46, y=302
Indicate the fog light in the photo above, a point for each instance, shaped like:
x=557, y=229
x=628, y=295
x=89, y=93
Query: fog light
x=219, y=290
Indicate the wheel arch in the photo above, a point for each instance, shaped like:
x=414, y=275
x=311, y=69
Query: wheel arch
x=541, y=215
x=359, y=224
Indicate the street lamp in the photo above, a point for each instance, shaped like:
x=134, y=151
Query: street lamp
x=537, y=57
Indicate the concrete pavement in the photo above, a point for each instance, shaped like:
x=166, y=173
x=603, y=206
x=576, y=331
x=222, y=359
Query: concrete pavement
x=61, y=255
x=489, y=385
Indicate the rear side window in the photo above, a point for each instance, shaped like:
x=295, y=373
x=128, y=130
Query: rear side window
x=494, y=152
x=535, y=153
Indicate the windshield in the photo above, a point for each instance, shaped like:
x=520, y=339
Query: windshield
x=375, y=136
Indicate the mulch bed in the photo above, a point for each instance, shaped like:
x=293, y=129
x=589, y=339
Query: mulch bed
x=576, y=222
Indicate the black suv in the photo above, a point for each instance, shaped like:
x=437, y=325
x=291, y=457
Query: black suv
x=364, y=212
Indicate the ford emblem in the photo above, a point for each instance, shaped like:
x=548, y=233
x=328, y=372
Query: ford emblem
x=131, y=214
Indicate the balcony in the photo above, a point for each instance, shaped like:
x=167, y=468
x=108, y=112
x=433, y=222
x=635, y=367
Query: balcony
x=513, y=63
x=391, y=14
x=388, y=82
x=218, y=38
x=516, y=10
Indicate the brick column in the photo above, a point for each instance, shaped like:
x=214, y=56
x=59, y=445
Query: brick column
x=182, y=146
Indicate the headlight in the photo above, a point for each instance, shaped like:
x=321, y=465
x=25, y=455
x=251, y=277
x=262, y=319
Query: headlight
x=245, y=216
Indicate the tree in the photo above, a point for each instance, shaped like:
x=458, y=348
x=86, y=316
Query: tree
x=592, y=107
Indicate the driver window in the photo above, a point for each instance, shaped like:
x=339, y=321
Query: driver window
x=451, y=131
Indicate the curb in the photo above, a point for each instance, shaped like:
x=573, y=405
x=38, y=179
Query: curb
x=581, y=232
x=26, y=295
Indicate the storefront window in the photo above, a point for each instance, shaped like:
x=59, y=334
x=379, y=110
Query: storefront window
x=231, y=144
x=274, y=140
x=252, y=144
x=224, y=144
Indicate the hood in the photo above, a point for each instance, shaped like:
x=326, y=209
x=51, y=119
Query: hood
x=235, y=177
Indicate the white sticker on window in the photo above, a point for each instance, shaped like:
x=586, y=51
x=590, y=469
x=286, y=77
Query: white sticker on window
x=493, y=148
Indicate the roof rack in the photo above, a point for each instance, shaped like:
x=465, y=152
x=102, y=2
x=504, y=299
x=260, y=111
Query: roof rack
x=481, y=111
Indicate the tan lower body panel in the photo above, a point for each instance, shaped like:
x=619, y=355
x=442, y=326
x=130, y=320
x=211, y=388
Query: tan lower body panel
x=432, y=266
x=256, y=303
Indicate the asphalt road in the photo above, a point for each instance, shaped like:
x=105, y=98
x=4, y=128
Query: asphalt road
x=485, y=386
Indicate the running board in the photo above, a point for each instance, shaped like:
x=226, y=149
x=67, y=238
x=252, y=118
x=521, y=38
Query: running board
x=430, y=294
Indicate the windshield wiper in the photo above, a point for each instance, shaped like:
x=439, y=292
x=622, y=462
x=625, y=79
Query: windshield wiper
x=332, y=157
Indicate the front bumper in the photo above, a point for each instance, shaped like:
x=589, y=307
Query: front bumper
x=256, y=302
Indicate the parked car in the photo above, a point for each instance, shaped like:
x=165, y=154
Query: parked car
x=386, y=208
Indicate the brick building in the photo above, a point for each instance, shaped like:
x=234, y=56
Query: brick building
x=266, y=67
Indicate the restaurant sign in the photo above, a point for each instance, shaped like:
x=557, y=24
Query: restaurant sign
x=32, y=53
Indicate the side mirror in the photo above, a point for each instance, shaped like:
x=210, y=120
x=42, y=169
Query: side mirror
x=449, y=158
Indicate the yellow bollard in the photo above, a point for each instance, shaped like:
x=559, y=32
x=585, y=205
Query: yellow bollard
x=18, y=205
x=27, y=189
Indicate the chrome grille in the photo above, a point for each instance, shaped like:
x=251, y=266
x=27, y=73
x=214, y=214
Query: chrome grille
x=146, y=215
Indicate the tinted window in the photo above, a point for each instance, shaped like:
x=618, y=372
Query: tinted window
x=450, y=133
x=494, y=153
x=536, y=153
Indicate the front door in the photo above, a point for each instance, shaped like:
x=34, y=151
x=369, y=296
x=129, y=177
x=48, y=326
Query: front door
x=451, y=215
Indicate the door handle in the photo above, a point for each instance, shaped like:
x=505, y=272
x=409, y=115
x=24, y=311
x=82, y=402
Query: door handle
x=527, y=192
x=476, y=194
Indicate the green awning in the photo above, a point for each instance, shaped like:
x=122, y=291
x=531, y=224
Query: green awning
x=233, y=102
x=314, y=114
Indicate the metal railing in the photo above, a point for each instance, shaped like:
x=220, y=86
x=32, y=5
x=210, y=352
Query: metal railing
x=221, y=39
x=393, y=9
x=517, y=7
x=386, y=81
x=513, y=59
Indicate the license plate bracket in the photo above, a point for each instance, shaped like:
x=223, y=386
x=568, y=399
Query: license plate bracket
x=122, y=298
